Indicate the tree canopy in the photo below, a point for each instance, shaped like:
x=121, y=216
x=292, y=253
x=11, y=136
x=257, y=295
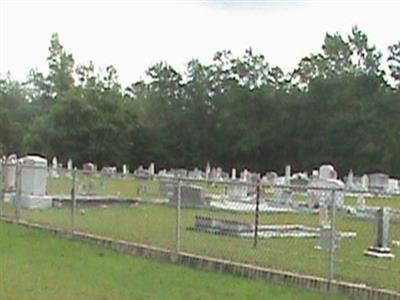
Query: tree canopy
x=337, y=106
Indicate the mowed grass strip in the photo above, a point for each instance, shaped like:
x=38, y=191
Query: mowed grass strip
x=156, y=224
x=36, y=265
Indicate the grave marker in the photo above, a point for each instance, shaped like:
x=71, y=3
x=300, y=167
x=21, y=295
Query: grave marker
x=381, y=249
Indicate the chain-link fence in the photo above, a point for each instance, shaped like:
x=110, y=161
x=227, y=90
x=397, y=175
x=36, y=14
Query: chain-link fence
x=318, y=230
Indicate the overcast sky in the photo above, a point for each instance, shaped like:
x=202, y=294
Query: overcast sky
x=133, y=35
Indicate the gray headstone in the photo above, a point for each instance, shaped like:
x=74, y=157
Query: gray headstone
x=382, y=227
x=381, y=249
x=323, y=215
x=325, y=236
x=287, y=174
x=191, y=196
x=360, y=204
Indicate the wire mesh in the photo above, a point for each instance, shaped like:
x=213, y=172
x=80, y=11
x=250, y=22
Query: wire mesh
x=291, y=227
x=254, y=223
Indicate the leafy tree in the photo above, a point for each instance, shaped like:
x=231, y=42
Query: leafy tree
x=394, y=62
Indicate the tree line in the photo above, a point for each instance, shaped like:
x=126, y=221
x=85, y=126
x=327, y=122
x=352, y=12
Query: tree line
x=341, y=106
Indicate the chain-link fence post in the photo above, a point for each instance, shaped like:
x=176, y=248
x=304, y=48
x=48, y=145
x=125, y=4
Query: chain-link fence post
x=73, y=201
x=332, y=241
x=18, y=191
x=2, y=187
x=178, y=219
x=256, y=214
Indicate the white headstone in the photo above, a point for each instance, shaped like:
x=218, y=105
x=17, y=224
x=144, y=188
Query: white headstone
x=327, y=172
x=125, y=170
x=10, y=172
x=245, y=175
x=54, y=163
x=393, y=185
x=233, y=173
x=360, y=204
x=69, y=164
x=320, y=192
x=208, y=170
x=151, y=169
x=364, y=182
x=34, y=182
x=350, y=180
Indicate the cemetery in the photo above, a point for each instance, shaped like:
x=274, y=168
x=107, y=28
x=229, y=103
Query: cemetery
x=217, y=215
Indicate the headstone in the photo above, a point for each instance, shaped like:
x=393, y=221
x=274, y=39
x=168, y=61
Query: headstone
x=168, y=188
x=325, y=236
x=323, y=216
x=109, y=171
x=191, y=196
x=219, y=173
x=180, y=173
x=33, y=183
x=163, y=173
x=54, y=167
x=393, y=185
x=350, y=180
x=360, y=204
x=287, y=175
x=315, y=174
x=381, y=249
x=237, y=192
x=244, y=175
x=364, y=182
x=151, y=169
x=378, y=182
x=327, y=172
x=282, y=194
x=69, y=165
x=208, y=170
x=10, y=173
x=196, y=174
x=320, y=192
x=270, y=177
x=141, y=172
x=213, y=174
x=54, y=162
x=88, y=167
x=125, y=170
x=233, y=176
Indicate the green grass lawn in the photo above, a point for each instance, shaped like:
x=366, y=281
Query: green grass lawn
x=155, y=225
x=35, y=265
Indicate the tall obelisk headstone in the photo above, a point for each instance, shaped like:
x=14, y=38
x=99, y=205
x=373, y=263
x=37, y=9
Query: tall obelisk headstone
x=381, y=249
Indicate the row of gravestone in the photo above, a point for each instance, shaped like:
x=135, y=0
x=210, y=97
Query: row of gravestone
x=375, y=182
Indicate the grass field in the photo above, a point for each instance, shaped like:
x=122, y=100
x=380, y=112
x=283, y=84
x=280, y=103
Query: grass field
x=155, y=225
x=35, y=265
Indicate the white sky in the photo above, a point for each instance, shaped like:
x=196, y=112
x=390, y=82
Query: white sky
x=133, y=35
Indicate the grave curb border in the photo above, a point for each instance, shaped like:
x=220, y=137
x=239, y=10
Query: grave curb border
x=360, y=291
